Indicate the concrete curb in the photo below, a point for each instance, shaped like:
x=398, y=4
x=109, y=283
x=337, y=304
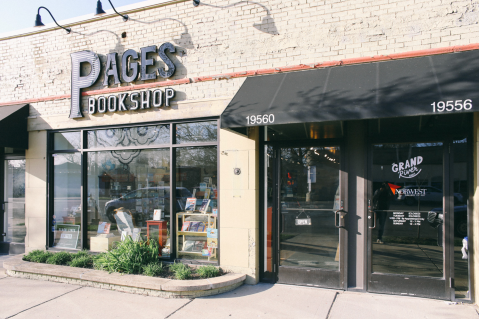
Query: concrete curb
x=160, y=287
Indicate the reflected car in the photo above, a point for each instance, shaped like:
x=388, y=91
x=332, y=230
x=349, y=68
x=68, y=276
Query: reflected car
x=435, y=218
x=411, y=194
x=151, y=196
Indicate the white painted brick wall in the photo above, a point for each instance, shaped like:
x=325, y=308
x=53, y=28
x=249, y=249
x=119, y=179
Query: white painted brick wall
x=222, y=38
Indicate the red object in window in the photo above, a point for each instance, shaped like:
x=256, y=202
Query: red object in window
x=162, y=231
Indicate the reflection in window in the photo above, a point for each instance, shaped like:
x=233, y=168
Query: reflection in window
x=407, y=198
x=124, y=190
x=67, y=141
x=196, y=132
x=67, y=201
x=129, y=136
x=15, y=201
x=197, y=209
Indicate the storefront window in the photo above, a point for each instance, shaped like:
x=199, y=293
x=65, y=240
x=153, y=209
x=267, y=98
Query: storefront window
x=196, y=132
x=66, y=219
x=125, y=188
x=129, y=136
x=67, y=141
x=197, y=209
x=15, y=229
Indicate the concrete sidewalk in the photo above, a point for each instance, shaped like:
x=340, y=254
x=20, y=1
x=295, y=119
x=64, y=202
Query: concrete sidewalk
x=22, y=298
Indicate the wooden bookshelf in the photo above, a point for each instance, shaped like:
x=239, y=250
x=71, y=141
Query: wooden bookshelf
x=207, y=219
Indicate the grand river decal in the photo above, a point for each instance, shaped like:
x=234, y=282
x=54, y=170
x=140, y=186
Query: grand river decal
x=408, y=169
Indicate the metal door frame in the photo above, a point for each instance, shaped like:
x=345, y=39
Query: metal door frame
x=306, y=276
x=420, y=286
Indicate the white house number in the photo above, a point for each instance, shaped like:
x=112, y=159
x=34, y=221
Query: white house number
x=260, y=119
x=451, y=106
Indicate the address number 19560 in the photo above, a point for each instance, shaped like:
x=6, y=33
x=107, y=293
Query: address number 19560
x=260, y=119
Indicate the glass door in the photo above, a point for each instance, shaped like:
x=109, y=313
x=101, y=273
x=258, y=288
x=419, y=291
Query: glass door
x=310, y=216
x=14, y=205
x=406, y=220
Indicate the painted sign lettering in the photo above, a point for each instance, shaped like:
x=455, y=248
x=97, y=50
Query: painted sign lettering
x=409, y=168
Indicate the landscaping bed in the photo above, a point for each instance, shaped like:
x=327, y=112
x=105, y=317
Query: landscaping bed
x=127, y=257
x=135, y=270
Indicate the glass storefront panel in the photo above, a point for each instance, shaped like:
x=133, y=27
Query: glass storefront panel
x=66, y=219
x=129, y=136
x=309, y=198
x=461, y=234
x=15, y=201
x=67, y=141
x=197, y=209
x=125, y=188
x=407, y=189
x=197, y=132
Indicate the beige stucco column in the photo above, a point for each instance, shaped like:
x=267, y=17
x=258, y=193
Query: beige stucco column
x=36, y=191
x=238, y=213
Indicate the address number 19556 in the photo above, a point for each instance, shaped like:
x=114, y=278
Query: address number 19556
x=260, y=119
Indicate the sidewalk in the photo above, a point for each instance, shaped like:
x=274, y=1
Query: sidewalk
x=22, y=298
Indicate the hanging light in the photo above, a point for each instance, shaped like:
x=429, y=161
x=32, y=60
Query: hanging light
x=39, y=23
x=196, y=3
x=99, y=10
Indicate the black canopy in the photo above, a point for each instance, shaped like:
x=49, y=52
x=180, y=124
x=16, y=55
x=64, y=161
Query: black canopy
x=13, y=126
x=373, y=90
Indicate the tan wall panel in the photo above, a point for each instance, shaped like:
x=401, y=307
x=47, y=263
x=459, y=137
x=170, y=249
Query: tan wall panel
x=36, y=173
x=36, y=233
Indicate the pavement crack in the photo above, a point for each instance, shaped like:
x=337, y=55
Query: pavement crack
x=66, y=293
x=331, y=307
x=171, y=314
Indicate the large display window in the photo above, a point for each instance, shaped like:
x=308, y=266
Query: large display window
x=110, y=183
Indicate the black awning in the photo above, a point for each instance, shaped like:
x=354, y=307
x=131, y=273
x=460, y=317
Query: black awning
x=13, y=126
x=396, y=88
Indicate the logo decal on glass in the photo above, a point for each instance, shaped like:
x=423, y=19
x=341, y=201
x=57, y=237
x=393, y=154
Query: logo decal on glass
x=408, y=169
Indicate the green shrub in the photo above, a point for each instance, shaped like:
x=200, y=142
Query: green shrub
x=181, y=271
x=153, y=269
x=37, y=256
x=84, y=261
x=184, y=273
x=128, y=256
x=61, y=258
x=176, y=267
x=207, y=271
x=81, y=253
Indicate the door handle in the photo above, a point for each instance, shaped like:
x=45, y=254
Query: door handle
x=374, y=219
x=340, y=222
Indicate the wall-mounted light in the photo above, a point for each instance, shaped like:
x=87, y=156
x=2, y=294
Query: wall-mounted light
x=196, y=3
x=39, y=23
x=100, y=11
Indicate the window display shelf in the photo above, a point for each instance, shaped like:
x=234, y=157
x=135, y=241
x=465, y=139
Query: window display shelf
x=192, y=233
x=192, y=242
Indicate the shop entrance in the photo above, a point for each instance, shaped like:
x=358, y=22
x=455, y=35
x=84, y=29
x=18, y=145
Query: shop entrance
x=417, y=217
x=308, y=215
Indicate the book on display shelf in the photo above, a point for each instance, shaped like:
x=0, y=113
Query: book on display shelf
x=186, y=226
x=201, y=227
x=212, y=242
x=204, y=205
x=194, y=226
x=212, y=233
x=190, y=204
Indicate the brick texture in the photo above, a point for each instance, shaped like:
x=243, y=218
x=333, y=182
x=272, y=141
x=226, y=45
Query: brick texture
x=228, y=37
